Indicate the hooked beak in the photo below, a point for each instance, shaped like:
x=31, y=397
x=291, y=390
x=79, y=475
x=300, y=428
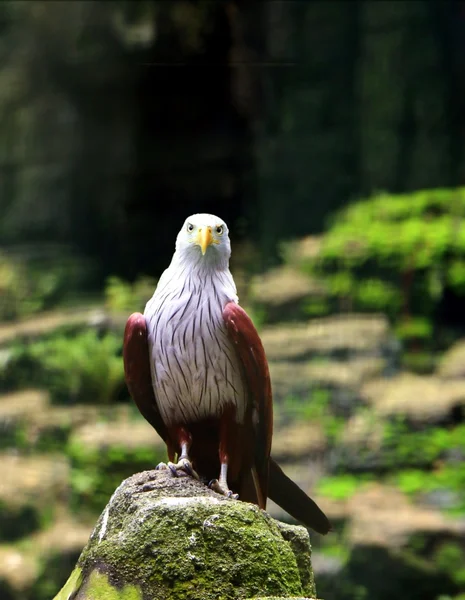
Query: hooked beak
x=204, y=238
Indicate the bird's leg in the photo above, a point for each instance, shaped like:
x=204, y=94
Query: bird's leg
x=221, y=485
x=184, y=464
x=228, y=438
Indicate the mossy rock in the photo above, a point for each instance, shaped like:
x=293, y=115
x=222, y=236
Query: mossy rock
x=50, y=430
x=360, y=445
x=452, y=364
x=102, y=454
x=15, y=408
x=28, y=422
x=30, y=490
x=341, y=378
x=390, y=536
x=383, y=515
x=165, y=537
x=332, y=374
x=299, y=440
x=419, y=399
x=370, y=443
x=47, y=323
x=299, y=252
x=338, y=337
x=283, y=294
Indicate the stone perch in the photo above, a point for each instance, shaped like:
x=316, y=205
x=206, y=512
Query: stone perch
x=167, y=538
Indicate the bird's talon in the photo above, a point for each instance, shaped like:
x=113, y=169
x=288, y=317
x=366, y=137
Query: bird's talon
x=173, y=468
x=217, y=487
x=161, y=466
x=187, y=467
x=183, y=468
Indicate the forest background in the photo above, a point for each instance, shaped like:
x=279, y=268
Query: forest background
x=330, y=137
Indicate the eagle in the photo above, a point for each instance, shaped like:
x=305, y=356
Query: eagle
x=196, y=369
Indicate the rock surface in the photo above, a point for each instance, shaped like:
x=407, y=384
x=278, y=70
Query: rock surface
x=452, y=365
x=283, y=293
x=45, y=323
x=161, y=537
x=354, y=335
x=419, y=398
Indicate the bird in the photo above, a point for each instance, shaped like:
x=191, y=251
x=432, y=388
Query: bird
x=197, y=370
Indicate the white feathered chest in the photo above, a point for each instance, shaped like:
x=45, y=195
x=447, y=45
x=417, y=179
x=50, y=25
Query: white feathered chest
x=195, y=368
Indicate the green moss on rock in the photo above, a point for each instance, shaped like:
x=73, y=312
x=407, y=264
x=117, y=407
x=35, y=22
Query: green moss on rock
x=99, y=587
x=72, y=586
x=164, y=537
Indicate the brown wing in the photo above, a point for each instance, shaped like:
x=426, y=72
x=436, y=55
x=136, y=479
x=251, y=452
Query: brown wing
x=252, y=355
x=272, y=481
x=136, y=360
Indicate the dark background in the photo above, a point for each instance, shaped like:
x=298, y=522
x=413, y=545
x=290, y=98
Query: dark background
x=119, y=119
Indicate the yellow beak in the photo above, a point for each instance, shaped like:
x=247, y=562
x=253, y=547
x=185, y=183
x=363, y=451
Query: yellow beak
x=204, y=238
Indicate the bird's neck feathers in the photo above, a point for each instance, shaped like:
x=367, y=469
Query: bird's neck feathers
x=190, y=259
x=189, y=270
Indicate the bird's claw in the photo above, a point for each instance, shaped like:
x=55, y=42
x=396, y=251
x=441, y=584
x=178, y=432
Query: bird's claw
x=217, y=487
x=168, y=467
x=185, y=465
x=172, y=467
x=182, y=468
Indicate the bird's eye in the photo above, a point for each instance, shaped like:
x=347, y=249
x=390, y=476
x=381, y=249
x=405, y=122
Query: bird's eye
x=190, y=227
x=219, y=230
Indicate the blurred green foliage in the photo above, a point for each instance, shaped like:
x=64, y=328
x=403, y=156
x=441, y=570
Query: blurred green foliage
x=340, y=487
x=316, y=408
x=14, y=524
x=96, y=471
x=122, y=296
x=83, y=365
x=64, y=153
x=419, y=362
x=395, y=254
x=447, y=477
x=316, y=307
x=17, y=434
x=84, y=368
x=28, y=285
x=450, y=557
x=416, y=460
x=401, y=445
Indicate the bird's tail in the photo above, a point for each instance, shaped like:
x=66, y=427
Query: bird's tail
x=295, y=501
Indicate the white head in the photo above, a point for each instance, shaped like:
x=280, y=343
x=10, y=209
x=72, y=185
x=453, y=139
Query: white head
x=204, y=239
